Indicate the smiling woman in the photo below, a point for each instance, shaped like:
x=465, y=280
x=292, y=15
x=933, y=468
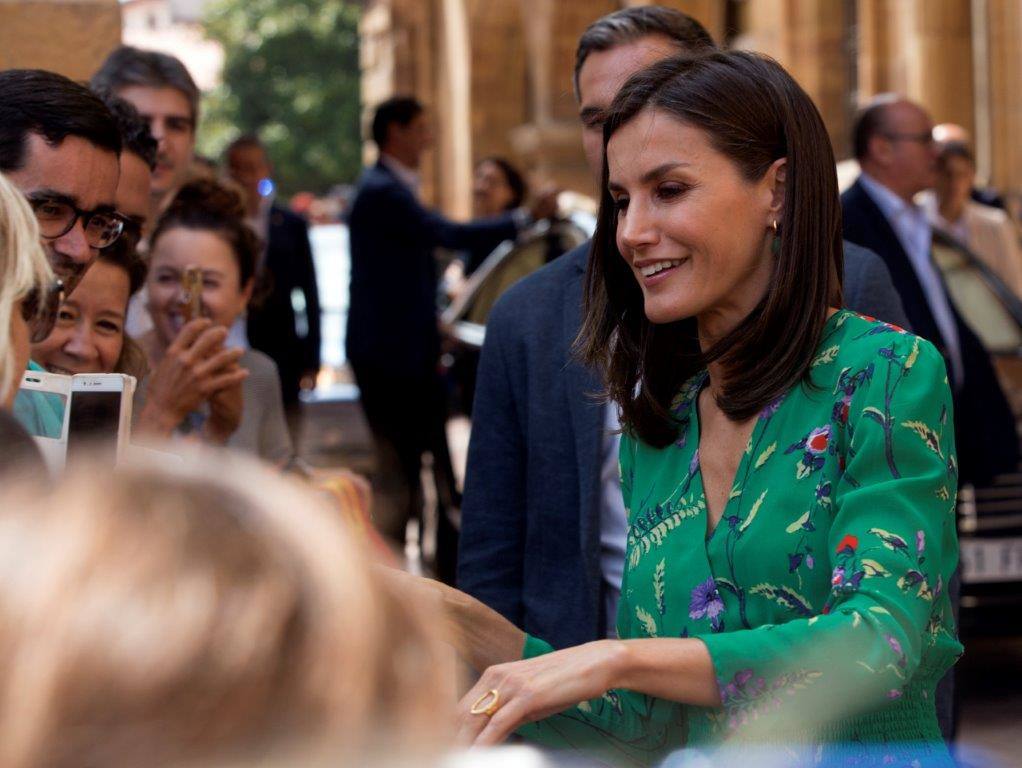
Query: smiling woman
x=787, y=466
x=221, y=395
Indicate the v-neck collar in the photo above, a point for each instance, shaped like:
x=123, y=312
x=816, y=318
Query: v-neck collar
x=690, y=404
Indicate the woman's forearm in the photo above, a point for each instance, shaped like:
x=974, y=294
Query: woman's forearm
x=674, y=669
x=481, y=635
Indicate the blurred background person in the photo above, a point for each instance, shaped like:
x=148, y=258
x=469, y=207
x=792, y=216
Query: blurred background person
x=159, y=86
x=205, y=612
x=986, y=231
x=25, y=277
x=201, y=386
x=393, y=339
x=497, y=187
x=284, y=315
x=952, y=133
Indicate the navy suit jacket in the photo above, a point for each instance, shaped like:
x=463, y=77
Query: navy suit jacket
x=392, y=320
x=273, y=328
x=530, y=536
x=984, y=426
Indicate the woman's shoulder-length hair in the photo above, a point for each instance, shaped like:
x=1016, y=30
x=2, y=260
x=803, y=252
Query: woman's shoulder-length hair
x=754, y=113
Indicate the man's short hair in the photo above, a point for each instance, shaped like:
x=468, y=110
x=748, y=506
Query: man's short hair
x=51, y=105
x=870, y=121
x=245, y=141
x=128, y=66
x=135, y=134
x=631, y=24
x=397, y=110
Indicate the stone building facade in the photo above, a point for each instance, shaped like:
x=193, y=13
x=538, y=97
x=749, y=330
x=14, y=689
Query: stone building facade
x=497, y=73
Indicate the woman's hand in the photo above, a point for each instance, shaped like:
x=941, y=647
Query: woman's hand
x=192, y=369
x=536, y=688
x=225, y=409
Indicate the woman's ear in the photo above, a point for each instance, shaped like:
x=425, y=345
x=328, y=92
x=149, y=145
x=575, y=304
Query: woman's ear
x=776, y=177
x=246, y=291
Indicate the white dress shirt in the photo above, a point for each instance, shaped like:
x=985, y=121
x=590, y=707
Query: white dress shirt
x=915, y=233
x=613, y=522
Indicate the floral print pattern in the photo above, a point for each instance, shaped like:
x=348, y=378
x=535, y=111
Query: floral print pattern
x=820, y=593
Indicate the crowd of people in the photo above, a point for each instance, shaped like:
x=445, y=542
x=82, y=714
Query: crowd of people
x=747, y=550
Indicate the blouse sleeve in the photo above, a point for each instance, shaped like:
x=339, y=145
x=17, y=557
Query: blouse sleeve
x=625, y=727
x=892, y=547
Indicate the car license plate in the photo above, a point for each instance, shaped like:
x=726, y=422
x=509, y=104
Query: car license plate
x=985, y=560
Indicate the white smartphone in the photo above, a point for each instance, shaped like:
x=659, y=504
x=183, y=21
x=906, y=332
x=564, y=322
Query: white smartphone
x=41, y=408
x=99, y=416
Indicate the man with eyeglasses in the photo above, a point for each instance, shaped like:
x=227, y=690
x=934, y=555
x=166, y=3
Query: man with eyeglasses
x=60, y=146
x=893, y=142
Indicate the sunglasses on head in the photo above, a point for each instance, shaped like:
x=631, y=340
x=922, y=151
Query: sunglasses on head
x=40, y=309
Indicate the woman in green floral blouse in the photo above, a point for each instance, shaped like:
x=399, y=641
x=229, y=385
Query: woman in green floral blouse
x=788, y=467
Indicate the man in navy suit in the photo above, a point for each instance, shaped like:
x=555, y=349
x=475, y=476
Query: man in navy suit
x=894, y=146
x=283, y=318
x=393, y=340
x=543, y=523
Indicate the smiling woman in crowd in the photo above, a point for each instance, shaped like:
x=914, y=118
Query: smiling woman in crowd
x=89, y=334
x=198, y=386
x=788, y=466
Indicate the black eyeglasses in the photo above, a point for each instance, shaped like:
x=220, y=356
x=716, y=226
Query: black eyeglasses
x=131, y=233
x=924, y=138
x=56, y=217
x=40, y=309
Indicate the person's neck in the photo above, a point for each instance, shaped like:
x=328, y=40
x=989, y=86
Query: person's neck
x=408, y=159
x=890, y=182
x=951, y=210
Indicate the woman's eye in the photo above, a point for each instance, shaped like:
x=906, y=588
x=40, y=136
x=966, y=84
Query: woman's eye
x=65, y=316
x=621, y=204
x=670, y=191
x=109, y=327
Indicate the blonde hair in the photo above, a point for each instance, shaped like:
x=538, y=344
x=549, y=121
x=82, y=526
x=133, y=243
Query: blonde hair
x=204, y=612
x=23, y=266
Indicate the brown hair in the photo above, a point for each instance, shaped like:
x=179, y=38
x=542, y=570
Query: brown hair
x=754, y=113
x=205, y=610
x=205, y=204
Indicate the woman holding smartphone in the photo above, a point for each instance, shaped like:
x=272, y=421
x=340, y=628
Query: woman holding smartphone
x=198, y=387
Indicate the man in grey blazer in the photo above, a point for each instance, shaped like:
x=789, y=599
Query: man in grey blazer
x=543, y=528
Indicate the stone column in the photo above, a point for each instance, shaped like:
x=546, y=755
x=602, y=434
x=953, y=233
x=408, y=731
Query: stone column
x=922, y=49
x=550, y=139
x=1004, y=41
x=810, y=39
x=71, y=37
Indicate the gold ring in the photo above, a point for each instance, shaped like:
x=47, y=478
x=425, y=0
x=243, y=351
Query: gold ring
x=486, y=704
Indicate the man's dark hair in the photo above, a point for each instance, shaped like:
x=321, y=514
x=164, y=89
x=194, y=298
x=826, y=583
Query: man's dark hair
x=245, y=141
x=128, y=66
x=871, y=121
x=754, y=113
x=397, y=110
x=54, y=107
x=631, y=24
x=135, y=134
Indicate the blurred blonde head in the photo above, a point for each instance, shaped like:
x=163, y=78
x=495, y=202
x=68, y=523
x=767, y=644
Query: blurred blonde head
x=206, y=613
x=23, y=266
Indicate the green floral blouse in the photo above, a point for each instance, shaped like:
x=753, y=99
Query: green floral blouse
x=821, y=594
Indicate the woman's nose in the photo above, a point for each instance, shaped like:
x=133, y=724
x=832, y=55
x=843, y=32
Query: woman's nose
x=636, y=228
x=81, y=345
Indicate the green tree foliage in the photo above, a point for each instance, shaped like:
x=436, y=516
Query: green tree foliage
x=291, y=75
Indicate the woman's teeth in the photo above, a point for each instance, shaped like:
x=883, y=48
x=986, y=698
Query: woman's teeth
x=651, y=269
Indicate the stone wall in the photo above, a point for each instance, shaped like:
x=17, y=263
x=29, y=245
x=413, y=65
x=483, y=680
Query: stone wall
x=67, y=36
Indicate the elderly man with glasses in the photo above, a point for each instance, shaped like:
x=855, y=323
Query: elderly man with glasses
x=60, y=146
